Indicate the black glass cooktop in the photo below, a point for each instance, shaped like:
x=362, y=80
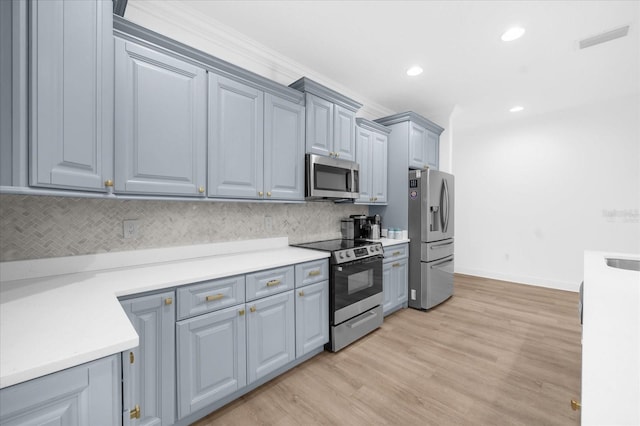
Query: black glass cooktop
x=334, y=245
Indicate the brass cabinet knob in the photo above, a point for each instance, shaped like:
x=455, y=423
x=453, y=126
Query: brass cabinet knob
x=168, y=300
x=108, y=183
x=268, y=194
x=252, y=309
x=575, y=405
x=260, y=193
x=337, y=154
x=301, y=293
x=201, y=189
x=241, y=312
x=135, y=413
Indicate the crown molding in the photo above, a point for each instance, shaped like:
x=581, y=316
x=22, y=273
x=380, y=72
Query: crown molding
x=220, y=40
x=414, y=118
x=372, y=125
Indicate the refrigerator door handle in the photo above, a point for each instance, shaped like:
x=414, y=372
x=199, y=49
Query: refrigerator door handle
x=445, y=210
x=437, y=246
x=435, y=265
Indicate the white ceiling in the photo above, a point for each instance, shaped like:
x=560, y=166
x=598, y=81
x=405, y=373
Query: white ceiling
x=368, y=45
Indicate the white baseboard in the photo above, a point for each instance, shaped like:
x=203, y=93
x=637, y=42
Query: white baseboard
x=535, y=281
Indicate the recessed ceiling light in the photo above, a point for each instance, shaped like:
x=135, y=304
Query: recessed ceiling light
x=512, y=34
x=516, y=109
x=414, y=70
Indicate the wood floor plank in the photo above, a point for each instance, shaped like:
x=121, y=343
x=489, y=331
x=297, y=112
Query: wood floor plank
x=496, y=353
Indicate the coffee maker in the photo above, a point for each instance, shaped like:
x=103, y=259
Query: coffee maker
x=364, y=228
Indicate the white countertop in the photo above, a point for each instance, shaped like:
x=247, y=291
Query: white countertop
x=610, y=342
x=52, y=318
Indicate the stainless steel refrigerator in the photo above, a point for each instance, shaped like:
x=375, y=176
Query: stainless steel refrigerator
x=431, y=230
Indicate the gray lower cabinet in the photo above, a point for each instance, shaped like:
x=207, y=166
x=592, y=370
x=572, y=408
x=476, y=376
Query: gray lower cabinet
x=270, y=334
x=148, y=371
x=88, y=394
x=395, y=278
x=312, y=317
x=71, y=94
x=211, y=358
x=160, y=126
x=371, y=154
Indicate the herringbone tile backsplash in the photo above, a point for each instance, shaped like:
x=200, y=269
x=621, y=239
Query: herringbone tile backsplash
x=33, y=227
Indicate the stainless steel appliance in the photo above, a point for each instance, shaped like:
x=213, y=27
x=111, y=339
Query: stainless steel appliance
x=331, y=178
x=360, y=226
x=346, y=229
x=355, y=289
x=431, y=230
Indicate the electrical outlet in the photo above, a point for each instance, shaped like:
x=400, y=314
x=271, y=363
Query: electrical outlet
x=130, y=229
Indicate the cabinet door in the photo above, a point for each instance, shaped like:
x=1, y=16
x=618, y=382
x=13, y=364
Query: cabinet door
x=400, y=277
x=148, y=371
x=211, y=358
x=283, y=149
x=344, y=139
x=363, y=158
x=88, y=394
x=71, y=94
x=388, y=288
x=319, y=125
x=312, y=317
x=160, y=123
x=379, y=168
x=236, y=114
x=270, y=334
x=417, y=146
x=433, y=150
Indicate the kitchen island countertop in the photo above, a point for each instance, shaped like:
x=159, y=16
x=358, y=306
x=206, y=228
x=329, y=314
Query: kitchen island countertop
x=62, y=312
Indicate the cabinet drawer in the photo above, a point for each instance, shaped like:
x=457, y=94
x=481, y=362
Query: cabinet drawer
x=210, y=296
x=265, y=283
x=398, y=251
x=312, y=272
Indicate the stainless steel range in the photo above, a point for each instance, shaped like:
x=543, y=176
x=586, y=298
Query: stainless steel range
x=355, y=289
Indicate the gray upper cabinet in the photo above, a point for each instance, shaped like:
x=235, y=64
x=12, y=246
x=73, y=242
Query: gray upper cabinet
x=371, y=155
x=148, y=371
x=283, y=149
x=236, y=114
x=160, y=123
x=71, y=94
x=331, y=120
x=88, y=394
x=417, y=136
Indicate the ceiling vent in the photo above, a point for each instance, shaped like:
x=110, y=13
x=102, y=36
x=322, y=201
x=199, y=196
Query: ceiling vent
x=604, y=37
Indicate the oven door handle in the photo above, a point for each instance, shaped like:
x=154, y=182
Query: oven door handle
x=371, y=259
x=361, y=321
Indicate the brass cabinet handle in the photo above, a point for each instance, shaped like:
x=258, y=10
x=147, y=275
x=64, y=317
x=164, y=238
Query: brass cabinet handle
x=108, y=183
x=575, y=405
x=375, y=198
x=301, y=293
x=395, y=265
x=269, y=194
x=260, y=193
x=131, y=358
x=252, y=309
x=396, y=253
x=214, y=297
x=273, y=283
x=337, y=154
x=314, y=273
x=135, y=413
x=241, y=312
x=201, y=189
x=168, y=300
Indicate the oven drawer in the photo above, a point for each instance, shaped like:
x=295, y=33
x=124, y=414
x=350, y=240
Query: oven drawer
x=312, y=272
x=436, y=250
x=357, y=327
x=266, y=283
x=210, y=296
x=398, y=251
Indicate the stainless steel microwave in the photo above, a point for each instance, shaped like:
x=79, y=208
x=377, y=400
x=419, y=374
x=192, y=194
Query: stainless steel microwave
x=331, y=178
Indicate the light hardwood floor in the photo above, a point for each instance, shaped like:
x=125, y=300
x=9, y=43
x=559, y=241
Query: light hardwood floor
x=496, y=353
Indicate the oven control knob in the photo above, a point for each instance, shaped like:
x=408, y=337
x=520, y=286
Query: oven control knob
x=341, y=255
x=348, y=254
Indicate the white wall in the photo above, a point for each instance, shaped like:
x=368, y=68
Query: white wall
x=533, y=194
